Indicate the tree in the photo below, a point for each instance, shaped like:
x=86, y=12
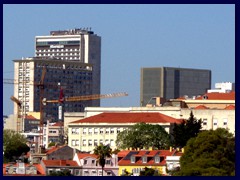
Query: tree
x=14, y=145
x=149, y=172
x=184, y=131
x=211, y=153
x=102, y=152
x=143, y=135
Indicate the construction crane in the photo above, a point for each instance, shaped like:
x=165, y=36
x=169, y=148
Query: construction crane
x=62, y=99
x=40, y=85
x=19, y=117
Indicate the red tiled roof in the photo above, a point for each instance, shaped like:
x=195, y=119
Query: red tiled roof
x=219, y=96
x=126, y=160
x=57, y=124
x=54, y=148
x=201, y=107
x=40, y=170
x=30, y=117
x=85, y=155
x=129, y=118
x=230, y=107
x=60, y=163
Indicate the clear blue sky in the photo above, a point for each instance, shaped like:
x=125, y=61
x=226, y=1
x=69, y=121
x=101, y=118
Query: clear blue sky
x=133, y=36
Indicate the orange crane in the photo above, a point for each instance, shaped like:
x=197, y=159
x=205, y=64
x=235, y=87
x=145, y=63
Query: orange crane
x=19, y=117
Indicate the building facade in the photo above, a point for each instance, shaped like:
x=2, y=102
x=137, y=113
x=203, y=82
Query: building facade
x=89, y=132
x=90, y=166
x=170, y=83
x=74, y=77
x=80, y=45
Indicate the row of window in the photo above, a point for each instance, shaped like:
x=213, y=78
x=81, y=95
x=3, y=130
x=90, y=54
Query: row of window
x=55, y=50
x=215, y=122
x=95, y=130
x=59, y=54
x=90, y=142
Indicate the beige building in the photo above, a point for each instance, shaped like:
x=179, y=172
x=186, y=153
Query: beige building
x=86, y=133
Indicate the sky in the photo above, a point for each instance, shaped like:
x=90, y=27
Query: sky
x=199, y=36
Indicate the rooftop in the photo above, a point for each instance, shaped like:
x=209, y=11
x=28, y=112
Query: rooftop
x=123, y=117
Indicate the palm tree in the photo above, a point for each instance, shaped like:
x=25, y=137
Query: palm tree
x=102, y=152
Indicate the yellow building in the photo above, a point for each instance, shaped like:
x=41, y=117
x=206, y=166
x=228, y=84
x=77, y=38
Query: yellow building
x=133, y=161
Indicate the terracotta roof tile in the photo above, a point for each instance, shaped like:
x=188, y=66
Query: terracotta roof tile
x=40, y=170
x=54, y=148
x=126, y=161
x=230, y=107
x=201, y=107
x=219, y=96
x=30, y=117
x=85, y=155
x=60, y=163
x=129, y=118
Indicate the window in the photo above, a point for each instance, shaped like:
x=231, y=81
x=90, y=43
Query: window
x=107, y=131
x=85, y=162
x=84, y=130
x=118, y=130
x=84, y=142
x=95, y=142
x=86, y=173
x=132, y=159
x=225, y=121
x=107, y=141
x=89, y=142
x=111, y=142
x=144, y=159
x=94, y=173
x=99, y=173
x=109, y=173
x=108, y=161
x=95, y=130
x=112, y=130
x=204, y=122
x=157, y=159
x=90, y=131
x=215, y=122
x=77, y=142
x=73, y=142
x=93, y=161
x=101, y=130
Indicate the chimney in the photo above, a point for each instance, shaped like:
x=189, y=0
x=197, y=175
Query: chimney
x=170, y=149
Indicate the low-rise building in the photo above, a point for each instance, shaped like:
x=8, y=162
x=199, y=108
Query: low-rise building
x=22, y=169
x=90, y=166
x=50, y=166
x=86, y=133
x=134, y=161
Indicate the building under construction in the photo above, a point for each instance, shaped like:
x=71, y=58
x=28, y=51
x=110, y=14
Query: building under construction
x=75, y=78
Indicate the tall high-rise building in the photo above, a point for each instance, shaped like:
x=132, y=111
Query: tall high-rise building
x=73, y=61
x=80, y=45
x=74, y=77
x=170, y=82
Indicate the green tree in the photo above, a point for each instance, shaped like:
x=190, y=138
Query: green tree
x=102, y=152
x=65, y=172
x=211, y=153
x=184, y=131
x=144, y=135
x=14, y=145
x=149, y=172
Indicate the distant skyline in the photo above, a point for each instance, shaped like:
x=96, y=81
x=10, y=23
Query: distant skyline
x=199, y=36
